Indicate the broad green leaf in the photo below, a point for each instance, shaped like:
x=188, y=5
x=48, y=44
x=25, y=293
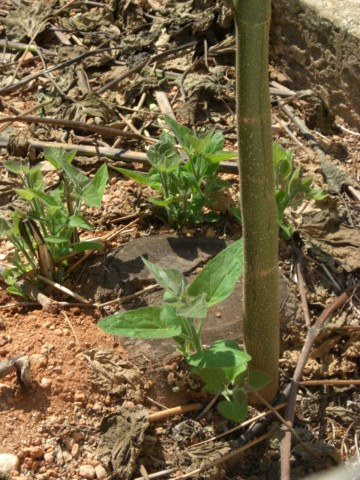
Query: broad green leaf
x=232, y=411
x=219, y=276
x=77, y=221
x=146, y=322
x=215, y=184
x=34, y=178
x=198, y=144
x=215, y=143
x=318, y=195
x=258, y=380
x=168, y=278
x=225, y=355
x=49, y=200
x=214, y=379
x=100, y=179
x=197, y=308
x=167, y=137
x=61, y=160
x=181, y=132
x=164, y=157
x=13, y=166
x=25, y=193
x=279, y=153
x=220, y=354
x=93, y=192
x=56, y=156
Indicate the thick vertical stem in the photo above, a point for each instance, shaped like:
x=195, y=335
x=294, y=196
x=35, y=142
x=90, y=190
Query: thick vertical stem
x=258, y=204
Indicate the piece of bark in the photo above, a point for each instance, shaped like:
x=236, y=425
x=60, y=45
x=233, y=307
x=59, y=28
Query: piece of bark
x=19, y=365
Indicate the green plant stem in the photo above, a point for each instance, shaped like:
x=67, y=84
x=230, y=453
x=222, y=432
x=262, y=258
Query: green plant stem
x=258, y=204
x=200, y=326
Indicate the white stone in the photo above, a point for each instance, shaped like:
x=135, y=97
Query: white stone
x=8, y=462
x=87, y=471
x=101, y=473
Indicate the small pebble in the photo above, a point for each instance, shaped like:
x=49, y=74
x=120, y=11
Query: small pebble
x=36, y=452
x=87, y=471
x=49, y=458
x=77, y=436
x=67, y=456
x=75, y=450
x=101, y=473
x=45, y=382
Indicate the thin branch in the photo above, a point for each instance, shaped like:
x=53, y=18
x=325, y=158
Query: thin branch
x=285, y=445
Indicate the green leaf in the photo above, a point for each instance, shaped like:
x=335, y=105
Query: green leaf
x=214, y=379
x=163, y=203
x=294, y=181
x=142, y=178
x=5, y=227
x=225, y=355
x=286, y=231
x=168, y=278
x=181, y=132
x=279, y=153
x=94, y=191
x=196, y=309
x=258, y=380
x=220, y=157
x=56, y=240
x=61, y=160
x=25, y=193
x=164, y=157
x=34, y=178
x=231, y=410
x=318, y=195
x=13, y=166
x=87, y=245
x=15, y=290
x=99, y=181
x=219, y=276
x=57, y=156
x=215, y=184
x=77, y=221
x=49, y=200
x=236, y=213
x=146, y=322
x=215, y=143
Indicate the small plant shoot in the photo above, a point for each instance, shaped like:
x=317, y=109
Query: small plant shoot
x=186, y=189
x=290, y=187
x=222, y=366
x=47, y=231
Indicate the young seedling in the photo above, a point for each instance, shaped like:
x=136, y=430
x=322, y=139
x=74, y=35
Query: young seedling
x=290, y=187
x=185, y=188
x=222, y=366
x=47, y=231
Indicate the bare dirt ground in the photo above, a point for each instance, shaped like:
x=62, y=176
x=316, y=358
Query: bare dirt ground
x=83, y=378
